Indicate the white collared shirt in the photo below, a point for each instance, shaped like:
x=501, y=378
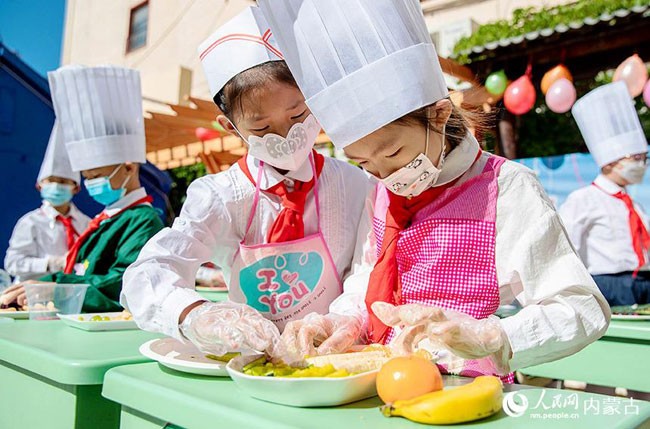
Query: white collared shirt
x=125, y=201
x=36, y=238
x=535, y=262
x=212, y=223
x=598, y=225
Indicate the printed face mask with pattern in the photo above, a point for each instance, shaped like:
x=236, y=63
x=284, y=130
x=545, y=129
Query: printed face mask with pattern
x=285, y=153
x=418, y=175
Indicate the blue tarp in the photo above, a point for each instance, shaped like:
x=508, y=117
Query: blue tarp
x=560, y=175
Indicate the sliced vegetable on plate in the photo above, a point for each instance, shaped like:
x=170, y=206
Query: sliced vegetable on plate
x=117, y=321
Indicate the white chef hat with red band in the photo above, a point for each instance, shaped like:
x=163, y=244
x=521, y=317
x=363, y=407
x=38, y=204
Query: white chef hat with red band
x=361, y=64
x=609, y=123
x=242, y=43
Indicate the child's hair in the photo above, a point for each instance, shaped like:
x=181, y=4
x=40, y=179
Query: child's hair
x=244, y=84
x=458, y=124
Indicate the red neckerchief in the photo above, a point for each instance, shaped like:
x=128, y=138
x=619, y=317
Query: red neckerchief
x=289, y=224
x=71, y=258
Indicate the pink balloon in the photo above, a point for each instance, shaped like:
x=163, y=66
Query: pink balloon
x=634, y=73
x=646, y=93
x=561, y=96
x=520, y=95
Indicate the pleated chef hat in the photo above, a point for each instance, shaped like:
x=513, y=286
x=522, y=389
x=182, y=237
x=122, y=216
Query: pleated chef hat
x=361, y=64
x=99, y=110
x=240, y=44
x=56, y=162
x=609, y=123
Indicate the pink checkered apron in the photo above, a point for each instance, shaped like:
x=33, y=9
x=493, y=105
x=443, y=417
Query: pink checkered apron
x=446, y=258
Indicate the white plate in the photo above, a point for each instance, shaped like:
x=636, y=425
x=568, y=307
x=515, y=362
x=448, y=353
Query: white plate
x=182, y=357
x=211, y=289
x=630, y=316
x=303, y=392
x=15, y=314
x=103, y=325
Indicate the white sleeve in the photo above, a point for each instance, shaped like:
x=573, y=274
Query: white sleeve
x=22, y=258
x=352, y=301
x=160, y=284
x=574, y=214
x=563, y=310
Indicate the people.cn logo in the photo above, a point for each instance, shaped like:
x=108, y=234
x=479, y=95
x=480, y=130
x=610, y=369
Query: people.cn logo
x=515, y=404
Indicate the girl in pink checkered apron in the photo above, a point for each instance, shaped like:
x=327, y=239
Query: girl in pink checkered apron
x=457, y=232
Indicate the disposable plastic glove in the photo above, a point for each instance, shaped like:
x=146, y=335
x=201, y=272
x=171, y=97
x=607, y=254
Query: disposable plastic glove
x=318, y=334
x=222, y=327
x=460, y=333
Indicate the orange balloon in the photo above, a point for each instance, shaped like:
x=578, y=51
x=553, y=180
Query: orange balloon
x=634, y=73
x=551, y=76
x=408, y=377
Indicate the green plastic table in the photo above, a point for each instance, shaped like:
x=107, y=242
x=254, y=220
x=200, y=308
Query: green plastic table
x=214, y=296
x=619, y=359
x=155, y=397
x=51, y=374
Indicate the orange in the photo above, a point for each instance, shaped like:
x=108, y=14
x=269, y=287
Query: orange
x=403, y=378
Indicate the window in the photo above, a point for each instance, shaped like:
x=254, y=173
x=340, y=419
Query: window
x=138, y=27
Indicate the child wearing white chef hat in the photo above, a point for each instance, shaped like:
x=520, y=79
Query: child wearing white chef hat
x=607, y=228
x=458, y=231
x=282, y=222
x=42, y=237
x=99, y=111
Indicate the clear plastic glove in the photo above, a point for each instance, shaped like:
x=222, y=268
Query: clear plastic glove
x=460, y=333
x=319, y=334
x=222, y=327
x=55, y=264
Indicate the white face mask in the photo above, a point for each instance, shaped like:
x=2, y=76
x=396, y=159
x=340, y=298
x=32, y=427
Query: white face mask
x=631, y=170
x=416, y=176
x=285, y=153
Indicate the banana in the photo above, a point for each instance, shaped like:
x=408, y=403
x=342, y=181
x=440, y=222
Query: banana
x=479, y=399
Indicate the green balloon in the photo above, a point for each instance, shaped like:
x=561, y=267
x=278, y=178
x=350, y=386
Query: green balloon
x=217, y=126
x=496, y=83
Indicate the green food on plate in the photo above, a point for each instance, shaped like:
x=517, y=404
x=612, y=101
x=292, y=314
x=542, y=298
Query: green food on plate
x=262, y=368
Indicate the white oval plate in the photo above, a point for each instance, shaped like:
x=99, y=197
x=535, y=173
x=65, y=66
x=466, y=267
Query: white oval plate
x=15, y=314
x=182, y=357
x=103, y=325
x=303, y=392
x=630, y=317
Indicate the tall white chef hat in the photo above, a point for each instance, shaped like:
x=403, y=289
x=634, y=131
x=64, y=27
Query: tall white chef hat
x=361, y=64
x=242, y=43
x=609, y=123
x=56, y=162
x=99, y=110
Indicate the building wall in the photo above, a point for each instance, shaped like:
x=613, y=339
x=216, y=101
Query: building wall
x=96, y=33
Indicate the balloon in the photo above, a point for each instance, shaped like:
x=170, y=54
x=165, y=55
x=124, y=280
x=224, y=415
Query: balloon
x=551, y=76
x=634, y=73
x=217, y=126
x=496, y=83
x=646, y=93
x=561, y=96
x=520, y=96
x=204, y=134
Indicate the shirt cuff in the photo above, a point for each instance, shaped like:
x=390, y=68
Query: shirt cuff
x=523, y=341
x=172, y=307
x=40, y=265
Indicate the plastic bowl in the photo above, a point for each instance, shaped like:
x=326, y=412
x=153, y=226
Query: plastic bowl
x=303, y=392
x=45, y=300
